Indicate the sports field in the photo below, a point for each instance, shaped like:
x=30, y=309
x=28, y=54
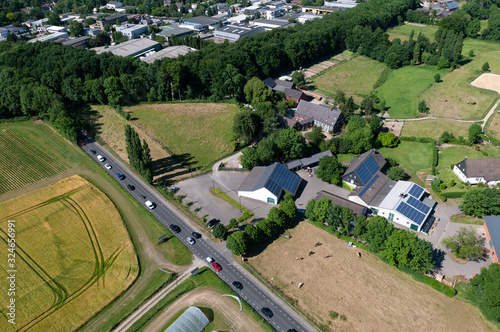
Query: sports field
x=355, y=77
x=22, y=163
x=372, y=295
x=403, y=31
x=197, y=133
x=402, y=88
x=73, y=255
x=435, y=128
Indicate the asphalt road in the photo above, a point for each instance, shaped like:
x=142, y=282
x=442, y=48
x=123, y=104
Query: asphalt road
x=253, y=292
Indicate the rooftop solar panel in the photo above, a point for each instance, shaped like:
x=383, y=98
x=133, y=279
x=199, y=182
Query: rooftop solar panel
x=416, y=191
x=361, y=193
x=411, y=213
x=418, y=205
x=284, y=179
x=363, y=173
x=371, y=165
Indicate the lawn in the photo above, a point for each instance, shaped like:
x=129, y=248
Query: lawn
x=449, y=98
x=412, y=156
x=402, y=88
x=403, y=31
x=485, y=51
x=434, y=128
x=494, y=127
x=372, y=295
x=355, y=77
x=23, y=163
x=198, y=133
x=74, y=254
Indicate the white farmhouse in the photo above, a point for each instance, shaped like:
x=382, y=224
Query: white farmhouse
x=479, y=170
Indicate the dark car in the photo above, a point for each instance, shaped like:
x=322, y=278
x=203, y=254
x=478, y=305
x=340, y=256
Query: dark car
x=130, y=187
x=237, y=285
x=212, y=222
x=120, y=176
x=267, y=312
x=175, y=228
x=196, y=235
x=92, y=151
x=292, y=330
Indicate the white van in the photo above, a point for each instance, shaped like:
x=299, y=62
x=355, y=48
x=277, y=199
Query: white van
x=150, y=205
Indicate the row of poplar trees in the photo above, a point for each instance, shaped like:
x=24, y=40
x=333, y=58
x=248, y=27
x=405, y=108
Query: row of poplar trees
x=139, y=155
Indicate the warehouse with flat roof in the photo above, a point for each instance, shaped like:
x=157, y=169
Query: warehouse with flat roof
x=132, y=48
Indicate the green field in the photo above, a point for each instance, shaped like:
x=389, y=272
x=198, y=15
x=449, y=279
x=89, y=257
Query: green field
x=355, y=77
x=198, y=133
x=402, y=88
x=73, y=254
x=485, y=51
x=22, y=163
x=403, y=31
x=412, y=156
x=434, y=128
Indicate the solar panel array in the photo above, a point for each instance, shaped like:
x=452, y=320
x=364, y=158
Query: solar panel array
x=418, y=205
x=282, y=178
x=416, y=191
x=411, y=213
x=361, y=193
x=367, y=169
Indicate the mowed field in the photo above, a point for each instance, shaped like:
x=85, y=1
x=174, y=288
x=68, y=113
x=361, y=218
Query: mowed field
x=22, y=163
x=434, y=128
x=372, y=295
x=402, y=88
x=403, y=31
x=198, y=133
x=73, y=255
x=494, y=127
x=355, y=77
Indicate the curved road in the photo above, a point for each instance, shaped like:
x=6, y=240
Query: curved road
x=253, y=292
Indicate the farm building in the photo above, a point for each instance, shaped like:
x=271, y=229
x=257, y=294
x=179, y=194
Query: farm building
x=363, y=168
x=356, y=208
x=478, y=170
x=328, y=118
x=309, y=161
x=267, y=184
x=192, y=320
x=492, y=230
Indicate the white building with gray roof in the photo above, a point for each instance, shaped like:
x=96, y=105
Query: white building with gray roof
x=237, y=31
x=328, y=118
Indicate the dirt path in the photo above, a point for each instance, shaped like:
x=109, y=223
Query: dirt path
x=224, y=306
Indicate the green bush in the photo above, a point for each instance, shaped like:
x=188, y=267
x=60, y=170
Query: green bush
x=333, y=314
x=16, y=119
x=343, y=317
x=461, y=186
x=454, y=194
x=440, y=287
x=452, y=183
x=442, y=186
x=434, y=155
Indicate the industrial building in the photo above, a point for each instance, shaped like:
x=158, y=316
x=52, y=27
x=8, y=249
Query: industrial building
x=237, y=31
x=168, y=52
x=131, y=48
x=132, y=30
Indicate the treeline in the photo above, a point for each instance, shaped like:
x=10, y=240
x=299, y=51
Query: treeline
x=139, y=155
x=481, y=202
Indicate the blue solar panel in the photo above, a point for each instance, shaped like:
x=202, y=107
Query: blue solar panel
x=368, y=185
x=418, y=205
x=411, y=213
x=363, y=173
x=282, y=178
x=416, y=191
x=371, y=165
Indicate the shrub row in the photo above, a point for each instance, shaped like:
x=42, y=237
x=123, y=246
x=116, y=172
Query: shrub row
x=434, y=155
x=340, y=236
x=439, y=286
x=418, y=139
x=437, y=191
x=125, y=115
x=383, y=77
x=16, y=119
x=453, y=194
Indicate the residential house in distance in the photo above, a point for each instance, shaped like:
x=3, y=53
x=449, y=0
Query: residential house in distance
x=474, y=171
x=236, y=31
x=114, y=4
x=363, y=168
x=111, y=20
x=132, y=30
x=267, y=184
x=492, y=230
x=328, y=118
x=132, y=48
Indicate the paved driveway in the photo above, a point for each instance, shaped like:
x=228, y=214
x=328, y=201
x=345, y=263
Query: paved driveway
x=311, y=185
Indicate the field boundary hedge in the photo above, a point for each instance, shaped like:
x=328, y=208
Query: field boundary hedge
x=439, y=286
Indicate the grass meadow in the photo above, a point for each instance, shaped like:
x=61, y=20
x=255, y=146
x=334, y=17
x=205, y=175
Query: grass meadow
x=433, y=128
x=412, y=156
x=403, y=31
x=74, y=254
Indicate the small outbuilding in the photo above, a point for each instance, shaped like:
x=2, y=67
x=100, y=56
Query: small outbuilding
x=192, y=320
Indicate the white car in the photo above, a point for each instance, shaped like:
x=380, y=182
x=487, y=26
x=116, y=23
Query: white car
x=100, y=158
x=108, y=166
x=210, y=260
x=150, y=205
x=190, y=240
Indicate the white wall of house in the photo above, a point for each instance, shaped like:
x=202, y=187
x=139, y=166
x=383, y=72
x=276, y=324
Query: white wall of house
x=458, y=172
x=358, y=200
x=397, y=218
x=323, y=126
x=261, y=195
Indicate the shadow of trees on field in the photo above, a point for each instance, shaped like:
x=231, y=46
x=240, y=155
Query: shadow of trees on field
x=173, y=166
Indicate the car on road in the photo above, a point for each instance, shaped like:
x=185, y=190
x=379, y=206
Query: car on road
x=100, y=158
x=82, y=143
x=120, y=176
x=292, y=330
x=174, y=189
x=150, y=205
x=196, y=235
x=267, y=312
x=92, y=151
x=237, y=285
x=210, y=260
x=216, y=266
x=130, y=187
x=108, y=166
x=190, y=240
x=212, y=222
x=175, y=228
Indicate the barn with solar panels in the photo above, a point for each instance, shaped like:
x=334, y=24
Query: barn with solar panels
x=267, y=184
x=364, y=168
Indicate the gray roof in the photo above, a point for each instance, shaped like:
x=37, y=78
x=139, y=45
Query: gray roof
x=358, y=209
x=293, y=93
x=487, y=168
x=320, y=113
x=203, y=20
x=452, y=5
x=75, y=41
x=294, y=164
x=274, y=178
x=168, y=52
x=368, y=192
x=175, y=31
x=493, y=226
x=269, y=82
x=315, y=158
x=129, y=47
x=362, y=168
x=285, y=84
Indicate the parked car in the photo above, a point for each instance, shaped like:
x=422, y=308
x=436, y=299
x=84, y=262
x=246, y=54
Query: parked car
x=82, y=143
x=108, y=166
x=210, y=260
x=216, y=266
x=100, y=158
x=175, y=228
x=212, y=222
x=92, y=151
x=174, y=189
x=150, y=205
x=237, y=285
x=190, y=240
x=267, y=312
x=130, y=187
x=120, y=176
x=292, y=330
x=196, y=235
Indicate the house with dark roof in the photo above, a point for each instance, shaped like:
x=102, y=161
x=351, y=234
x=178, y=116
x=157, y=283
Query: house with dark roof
x=357, y=209
x=473, y=171
x=295, y=94
x=267, y=184
x=363, y=168
x=281, y=85
x=328, y=118
x=492, y=230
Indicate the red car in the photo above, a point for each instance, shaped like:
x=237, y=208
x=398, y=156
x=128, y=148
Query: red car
x=216, y=266
x=82, y=143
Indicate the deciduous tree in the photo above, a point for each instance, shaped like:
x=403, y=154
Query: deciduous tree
x=465, y=244
x=237, y=243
